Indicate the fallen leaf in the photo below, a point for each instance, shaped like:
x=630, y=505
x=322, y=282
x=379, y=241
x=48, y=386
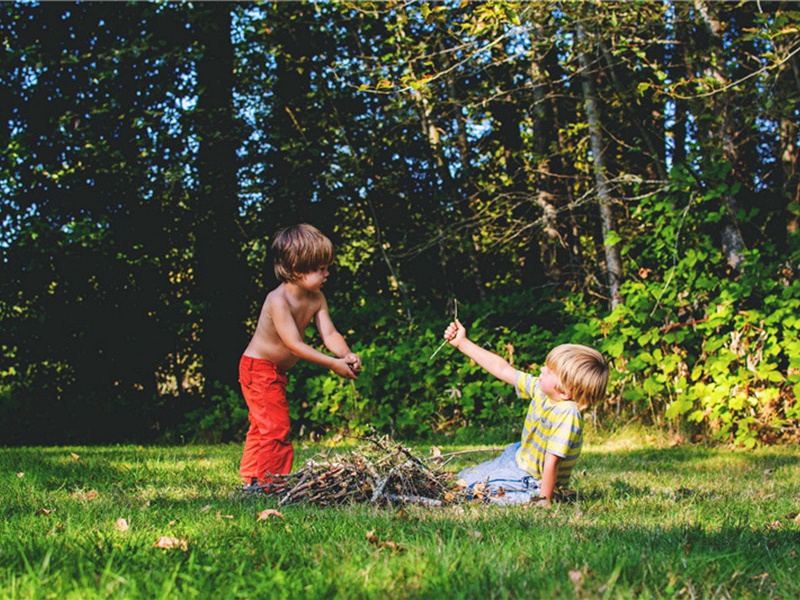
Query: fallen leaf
x=270, y=512
x=121, y=524
x=774, y=525
x=479, y=490
x=171, y=543
x=435, y=452
x=207, y=507
x=373, y=539
x=45, y=511
x=797, y=519
x=762, y=576
x=75, y=456
x=220, y=516
x=461, y=484
x=391, y=545
x=449, y=496
x=85, y=496
x=576, y=576
x=20, y=474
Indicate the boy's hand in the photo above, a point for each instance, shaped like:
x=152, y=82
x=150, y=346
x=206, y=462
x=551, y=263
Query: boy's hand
x=343, y=369
x=455, y=332
x=542, y=503
x=354, y=361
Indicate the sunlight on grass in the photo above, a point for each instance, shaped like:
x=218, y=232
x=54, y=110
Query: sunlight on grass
x=652, y=518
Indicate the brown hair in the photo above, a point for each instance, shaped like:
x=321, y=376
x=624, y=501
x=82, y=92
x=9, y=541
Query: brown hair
x=582, y=372
x=300, y=249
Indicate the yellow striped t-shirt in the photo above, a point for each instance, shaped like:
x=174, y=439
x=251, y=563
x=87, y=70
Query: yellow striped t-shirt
x=554, y=427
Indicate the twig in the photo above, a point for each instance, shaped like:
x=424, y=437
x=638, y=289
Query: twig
x=449, y=454
x=455, y=318
x=414, y=500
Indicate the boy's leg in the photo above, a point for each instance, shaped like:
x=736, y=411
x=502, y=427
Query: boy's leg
x=267, y=446
x=248, y=468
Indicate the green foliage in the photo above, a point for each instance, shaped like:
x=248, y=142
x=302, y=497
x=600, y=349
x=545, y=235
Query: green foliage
x=150, y=150
x=717, y=355
x=222, y=417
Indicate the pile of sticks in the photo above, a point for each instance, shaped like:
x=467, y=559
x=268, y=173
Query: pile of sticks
x=380, y=471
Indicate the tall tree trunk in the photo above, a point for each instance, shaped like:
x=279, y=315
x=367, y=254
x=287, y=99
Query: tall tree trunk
x=561, y=248
x=608, y=224
x=789, y=150
x=732, y=241
x=221, y=277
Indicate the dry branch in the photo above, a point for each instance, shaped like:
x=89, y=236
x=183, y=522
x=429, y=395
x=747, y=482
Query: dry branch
x=380, y=471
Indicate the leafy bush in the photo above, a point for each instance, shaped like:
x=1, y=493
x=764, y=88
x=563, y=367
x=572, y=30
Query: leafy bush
x=222, y=417
x=714, y=353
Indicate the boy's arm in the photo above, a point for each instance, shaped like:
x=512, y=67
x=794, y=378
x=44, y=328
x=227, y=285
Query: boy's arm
x=287, y=330
x=333, y=340
x=548, y=483
x=494, y=364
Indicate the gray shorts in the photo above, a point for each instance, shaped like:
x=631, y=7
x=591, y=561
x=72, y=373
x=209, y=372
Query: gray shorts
x=517, y=486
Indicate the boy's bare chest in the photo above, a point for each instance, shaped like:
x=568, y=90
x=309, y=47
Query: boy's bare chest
x=303, y=314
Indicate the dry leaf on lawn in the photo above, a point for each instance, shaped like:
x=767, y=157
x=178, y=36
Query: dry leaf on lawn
x=75, y=456
x=121, y=524
x=270, y=512
x=373, y=539
x=85, y=496
x=20, y=474
x=207, y=507
x=171, y=543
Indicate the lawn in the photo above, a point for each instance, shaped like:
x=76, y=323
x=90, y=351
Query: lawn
x=652, y=519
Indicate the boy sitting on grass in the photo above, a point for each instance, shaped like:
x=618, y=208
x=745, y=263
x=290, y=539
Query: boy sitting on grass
x=573, y=378
x=302, y=255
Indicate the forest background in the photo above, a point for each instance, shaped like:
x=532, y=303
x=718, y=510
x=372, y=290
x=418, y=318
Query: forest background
x=623, y=175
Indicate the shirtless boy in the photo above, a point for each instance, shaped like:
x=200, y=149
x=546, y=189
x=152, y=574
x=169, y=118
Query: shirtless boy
x=302, y=255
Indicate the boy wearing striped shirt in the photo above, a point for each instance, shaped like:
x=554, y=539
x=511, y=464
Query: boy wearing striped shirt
x=573, y=378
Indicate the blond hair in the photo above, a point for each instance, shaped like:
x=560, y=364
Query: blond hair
x=300, y=249
x=582, y=372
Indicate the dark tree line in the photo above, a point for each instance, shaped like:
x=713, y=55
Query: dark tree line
x=630, y=166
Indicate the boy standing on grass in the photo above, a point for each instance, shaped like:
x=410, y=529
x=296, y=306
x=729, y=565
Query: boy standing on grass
x=302, y=255
x=573, y=377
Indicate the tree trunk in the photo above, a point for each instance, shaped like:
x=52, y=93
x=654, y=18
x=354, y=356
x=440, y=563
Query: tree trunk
x=732, y=241
x=608, y=224
x=221, y=277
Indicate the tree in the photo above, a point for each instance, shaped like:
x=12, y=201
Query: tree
x=221, y=277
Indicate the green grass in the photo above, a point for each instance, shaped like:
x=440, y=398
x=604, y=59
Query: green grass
x=650, y=521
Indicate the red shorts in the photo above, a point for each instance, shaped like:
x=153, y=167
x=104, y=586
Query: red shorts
x=267, y=449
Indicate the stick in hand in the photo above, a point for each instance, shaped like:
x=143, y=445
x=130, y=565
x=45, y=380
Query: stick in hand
x=455, y=318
